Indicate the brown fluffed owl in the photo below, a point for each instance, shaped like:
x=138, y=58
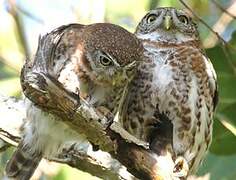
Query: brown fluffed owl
x=93, y=61
x=174, y=94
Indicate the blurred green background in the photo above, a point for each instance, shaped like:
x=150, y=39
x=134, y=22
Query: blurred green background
x=22, y=21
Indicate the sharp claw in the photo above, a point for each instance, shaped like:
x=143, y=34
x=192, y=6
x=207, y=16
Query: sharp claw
x=181, y=167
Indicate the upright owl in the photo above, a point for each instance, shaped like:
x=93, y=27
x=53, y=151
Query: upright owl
x=174, y=94
x=94, y=61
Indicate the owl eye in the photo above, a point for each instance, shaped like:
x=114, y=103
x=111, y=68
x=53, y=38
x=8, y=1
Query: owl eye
x=105, y=60
x=151, y=18
x=183, y=19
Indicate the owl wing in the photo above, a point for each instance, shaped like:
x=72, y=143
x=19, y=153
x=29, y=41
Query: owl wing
x=213, y=85
x=52, y=56
x=212, y=82
x=46, y=57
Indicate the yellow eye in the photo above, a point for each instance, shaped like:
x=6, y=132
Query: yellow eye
x=151, y=18
x=105, y=61
x=183, y=19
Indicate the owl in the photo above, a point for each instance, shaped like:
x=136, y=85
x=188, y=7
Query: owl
x=174, y=93
x=93, y=61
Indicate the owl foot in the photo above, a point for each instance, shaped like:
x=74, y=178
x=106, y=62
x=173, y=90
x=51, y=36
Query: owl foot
x=181, y=167
x=103, y=111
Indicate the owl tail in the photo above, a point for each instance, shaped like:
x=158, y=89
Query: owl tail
x=22, y=164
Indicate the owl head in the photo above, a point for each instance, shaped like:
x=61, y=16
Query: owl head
x=167, y=24
x=108, y=53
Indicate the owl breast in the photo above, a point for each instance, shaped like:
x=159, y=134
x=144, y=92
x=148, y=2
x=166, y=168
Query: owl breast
x=182, y=91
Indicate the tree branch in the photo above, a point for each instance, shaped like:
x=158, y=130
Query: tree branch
x=228, y=11
x=97, y=163
x=220, y=26
x=19, y=27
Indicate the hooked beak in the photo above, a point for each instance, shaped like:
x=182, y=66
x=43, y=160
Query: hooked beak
x=130, y=70
x=131, y=65
x=167, y=22
x=126, y=72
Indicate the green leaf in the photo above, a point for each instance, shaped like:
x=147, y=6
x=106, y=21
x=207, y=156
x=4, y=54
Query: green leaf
x=233, y=39
x=227, y=95
x=224, y=141
x=219, y=60
x=228, y=115
x=224, y=133
x=219, y=167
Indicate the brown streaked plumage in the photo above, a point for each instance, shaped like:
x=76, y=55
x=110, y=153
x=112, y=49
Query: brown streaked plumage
x=173, y=96
x=94, y=61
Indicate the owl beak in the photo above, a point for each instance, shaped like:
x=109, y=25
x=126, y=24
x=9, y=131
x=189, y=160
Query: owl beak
x=129, y=70
x=131, y=65
x=167, y=22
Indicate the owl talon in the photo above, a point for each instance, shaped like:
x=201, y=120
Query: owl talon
x=181, y=167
